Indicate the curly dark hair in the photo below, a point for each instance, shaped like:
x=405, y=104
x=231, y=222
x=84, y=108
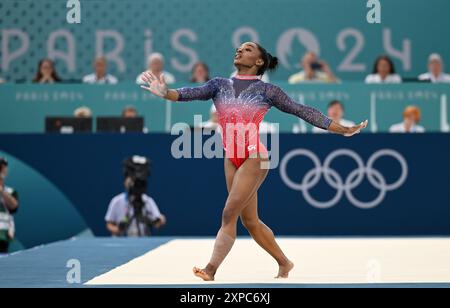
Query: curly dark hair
x=388, y=60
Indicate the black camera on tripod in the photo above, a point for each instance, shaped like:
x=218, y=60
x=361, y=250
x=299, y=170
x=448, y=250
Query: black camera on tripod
x=136, y=170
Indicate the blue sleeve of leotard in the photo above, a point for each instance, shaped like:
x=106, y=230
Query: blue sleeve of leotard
x=204, y=92
x=283, y=102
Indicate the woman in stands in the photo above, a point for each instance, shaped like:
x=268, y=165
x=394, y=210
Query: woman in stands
x=46, y=72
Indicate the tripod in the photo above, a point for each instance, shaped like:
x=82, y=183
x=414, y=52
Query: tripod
x=138, y=216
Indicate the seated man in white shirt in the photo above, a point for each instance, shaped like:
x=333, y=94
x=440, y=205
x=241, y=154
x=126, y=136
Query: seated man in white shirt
x=335, y=111
x=100, y=75
x=314, y=70
x=435, y=70
x=155, y=64
x=411, y=117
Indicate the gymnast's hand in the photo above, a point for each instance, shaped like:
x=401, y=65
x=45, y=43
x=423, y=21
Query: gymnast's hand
x=347, y=131
x=154, y=85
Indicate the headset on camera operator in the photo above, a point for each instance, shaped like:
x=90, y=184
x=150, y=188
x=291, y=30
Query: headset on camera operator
x=133, y=213
x=8, y=205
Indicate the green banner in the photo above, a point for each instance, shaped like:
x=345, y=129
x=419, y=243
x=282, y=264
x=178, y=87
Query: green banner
x=24, y=107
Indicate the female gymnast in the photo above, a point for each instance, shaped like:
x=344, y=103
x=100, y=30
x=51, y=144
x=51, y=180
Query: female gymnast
x=241, y=103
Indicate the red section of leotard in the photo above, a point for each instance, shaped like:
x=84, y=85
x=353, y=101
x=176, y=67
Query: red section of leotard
x=241, y=103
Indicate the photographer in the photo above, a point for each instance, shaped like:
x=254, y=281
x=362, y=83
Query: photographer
x=133, y=213
x=314, y=70
x=8, y=206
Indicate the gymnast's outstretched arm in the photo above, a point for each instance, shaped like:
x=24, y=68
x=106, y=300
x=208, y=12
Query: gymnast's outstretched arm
x=158, y=87
x=311, y=115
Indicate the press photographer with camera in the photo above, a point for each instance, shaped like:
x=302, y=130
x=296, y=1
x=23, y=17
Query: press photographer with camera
x=8, y=205
x=133, y=213
x=314, y=70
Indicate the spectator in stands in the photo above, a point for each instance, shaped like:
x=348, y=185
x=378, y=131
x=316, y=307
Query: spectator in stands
x=2, y=80
x=411, y=118
x=100, y=75
x=200, y=73
x=46, y=72
x=435, y=70
x=383, y=71
x=335, y=111
x=82, y=112
x=129, y=112
x=8, y=205
x=155, y=64
x=314, y=70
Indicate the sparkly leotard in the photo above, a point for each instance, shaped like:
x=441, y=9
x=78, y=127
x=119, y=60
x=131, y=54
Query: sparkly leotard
x=241, y=103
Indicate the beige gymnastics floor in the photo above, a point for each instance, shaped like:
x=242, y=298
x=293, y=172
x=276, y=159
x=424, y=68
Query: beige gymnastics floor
x=317, y=261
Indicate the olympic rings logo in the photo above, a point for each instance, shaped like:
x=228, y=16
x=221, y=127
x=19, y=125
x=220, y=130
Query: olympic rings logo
x=334, y=179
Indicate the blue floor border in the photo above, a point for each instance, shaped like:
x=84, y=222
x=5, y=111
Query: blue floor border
x=46, y=266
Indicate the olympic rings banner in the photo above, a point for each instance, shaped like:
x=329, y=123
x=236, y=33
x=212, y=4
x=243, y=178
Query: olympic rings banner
x=187, y=31
x=345, y=185
x=324, y=185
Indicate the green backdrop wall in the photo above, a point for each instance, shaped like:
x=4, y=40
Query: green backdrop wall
x=189, y=30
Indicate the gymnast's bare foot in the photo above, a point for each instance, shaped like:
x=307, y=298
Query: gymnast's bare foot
x=204, y=274
x=284, y=270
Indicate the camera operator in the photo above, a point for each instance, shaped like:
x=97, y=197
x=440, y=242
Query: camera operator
x=133, y=213
x=8, y=206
